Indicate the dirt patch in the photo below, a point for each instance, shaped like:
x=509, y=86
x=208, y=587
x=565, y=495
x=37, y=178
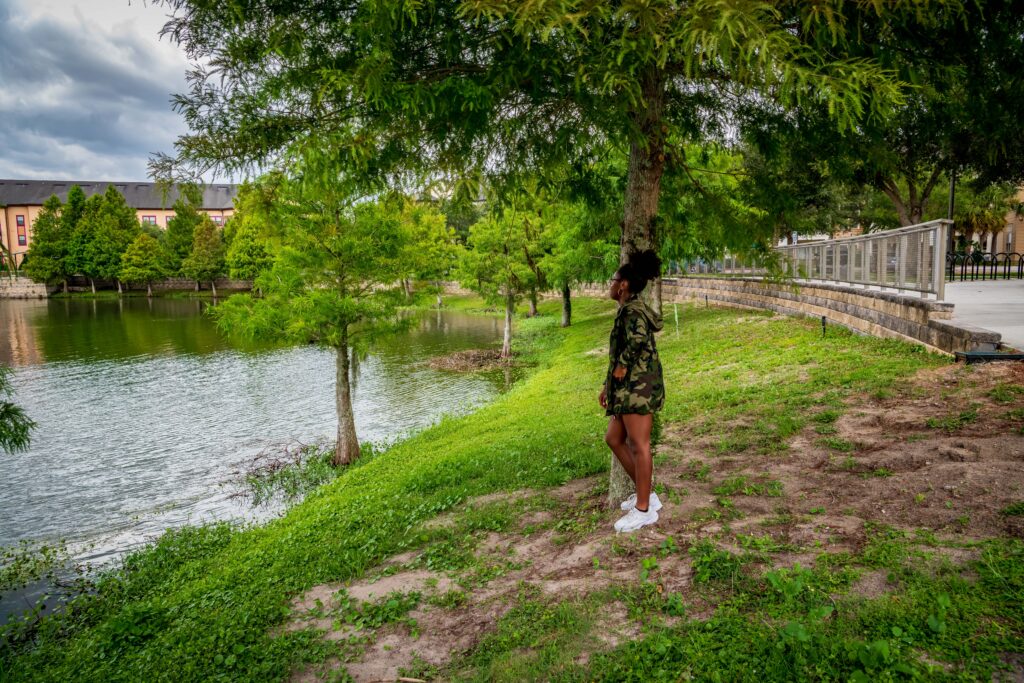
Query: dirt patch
x=872, y=584
x=471, y=361
x=942, y=457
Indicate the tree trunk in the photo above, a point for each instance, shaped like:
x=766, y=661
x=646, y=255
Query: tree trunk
x=92, y=284
x=65, y=285
x=566, y=306
x=119, y=292
x=149, y=290
x=506, y=345
x=439, y=290
x=347, y=448
x=533, y=304
x=197, y=285
x=643, y=188
x=407, y=287
x=213, y=287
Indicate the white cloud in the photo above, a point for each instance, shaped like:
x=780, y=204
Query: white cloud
x=87, y=89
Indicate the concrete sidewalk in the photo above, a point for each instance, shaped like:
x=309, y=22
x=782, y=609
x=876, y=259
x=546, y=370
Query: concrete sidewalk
x=996, y=305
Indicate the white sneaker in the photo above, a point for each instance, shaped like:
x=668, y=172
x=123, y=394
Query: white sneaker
x=635, y=519
x=652, y=503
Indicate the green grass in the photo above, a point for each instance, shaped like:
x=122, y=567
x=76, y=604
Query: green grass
x=208, y=603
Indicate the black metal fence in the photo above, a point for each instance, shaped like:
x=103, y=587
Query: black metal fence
x=980, y=265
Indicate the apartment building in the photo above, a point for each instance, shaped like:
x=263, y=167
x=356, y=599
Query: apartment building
x=21, y=201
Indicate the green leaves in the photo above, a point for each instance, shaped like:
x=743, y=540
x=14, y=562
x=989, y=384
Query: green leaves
x=143, y=261
x=335, y=269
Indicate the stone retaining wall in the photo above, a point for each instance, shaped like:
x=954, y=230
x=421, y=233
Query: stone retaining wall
x=881, y=314
x=171, y=284
x=23, y=288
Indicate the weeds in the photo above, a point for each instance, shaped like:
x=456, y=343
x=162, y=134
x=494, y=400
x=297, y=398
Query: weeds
x=742, y=485
x=954, y=423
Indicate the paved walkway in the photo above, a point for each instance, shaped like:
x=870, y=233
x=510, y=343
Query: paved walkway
x=996, y=305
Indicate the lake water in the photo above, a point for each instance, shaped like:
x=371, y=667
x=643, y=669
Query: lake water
x=145, y=411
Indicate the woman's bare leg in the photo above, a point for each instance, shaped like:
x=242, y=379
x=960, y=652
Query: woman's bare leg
x=615, y=437
x=638, y=432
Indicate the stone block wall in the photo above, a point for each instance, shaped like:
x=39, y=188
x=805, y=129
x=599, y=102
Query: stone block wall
x=23, y=288
x=880, y=314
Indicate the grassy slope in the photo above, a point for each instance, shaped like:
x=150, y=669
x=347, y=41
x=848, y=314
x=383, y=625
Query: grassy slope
x=204, y=603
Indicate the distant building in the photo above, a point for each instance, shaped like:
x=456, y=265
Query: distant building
x=21, y=201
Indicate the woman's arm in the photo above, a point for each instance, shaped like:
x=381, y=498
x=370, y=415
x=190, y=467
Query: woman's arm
x=634, y=340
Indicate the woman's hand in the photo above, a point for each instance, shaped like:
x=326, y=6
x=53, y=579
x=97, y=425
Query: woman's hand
x=603, y=398
x=619, y=372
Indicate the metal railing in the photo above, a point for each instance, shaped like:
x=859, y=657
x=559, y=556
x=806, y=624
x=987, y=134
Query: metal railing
x=977, y=265
x=910, y=259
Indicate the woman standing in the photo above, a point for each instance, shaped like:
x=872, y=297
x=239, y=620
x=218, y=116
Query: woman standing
x=634, y=389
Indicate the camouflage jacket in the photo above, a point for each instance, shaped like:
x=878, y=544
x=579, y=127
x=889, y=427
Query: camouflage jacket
x=631, y=345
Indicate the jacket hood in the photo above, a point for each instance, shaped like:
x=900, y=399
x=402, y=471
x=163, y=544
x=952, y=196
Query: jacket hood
x=637, y=305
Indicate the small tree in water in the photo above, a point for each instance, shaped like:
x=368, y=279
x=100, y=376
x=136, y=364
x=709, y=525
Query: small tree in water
x=333, y=282
x=496, y=265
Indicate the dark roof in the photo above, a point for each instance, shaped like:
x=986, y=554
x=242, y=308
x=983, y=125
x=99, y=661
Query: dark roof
x=138, y=195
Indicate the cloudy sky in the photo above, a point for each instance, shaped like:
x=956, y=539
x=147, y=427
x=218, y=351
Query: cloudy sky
x=85, y=88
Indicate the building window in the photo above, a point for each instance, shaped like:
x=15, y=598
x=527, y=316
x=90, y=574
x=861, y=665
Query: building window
x=217, y=219
x=22, y=234
x=151, y=220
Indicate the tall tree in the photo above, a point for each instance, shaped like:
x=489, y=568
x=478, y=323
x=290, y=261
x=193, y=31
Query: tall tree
x=47, y=257
x=249, y=252
x=180, y=232
x=15, y=426
x=206, y=262
x=144, y=262
x=116, y=227
x=332, y=282
x=432, y=252
x=248, y=255
x=495, y=264
x=577, y=249
x=81, y=246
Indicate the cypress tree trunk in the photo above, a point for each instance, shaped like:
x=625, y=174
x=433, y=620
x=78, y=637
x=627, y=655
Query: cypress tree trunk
x=92, y=284
x=197, y=285
x=149, y=290
x=347, y=448
x=506, y=346
x=437, y=284
x=643, y=187
x=119, y=292
x=65, y=285
x=213, y=287
x=566, y=306
x=533, y=304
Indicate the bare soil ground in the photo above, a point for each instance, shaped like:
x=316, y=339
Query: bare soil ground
x=946, y=456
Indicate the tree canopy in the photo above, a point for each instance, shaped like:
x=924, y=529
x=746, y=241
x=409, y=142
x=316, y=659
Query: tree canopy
x=500, y=88
x=143, y=262
x=47, y=256
x=332, y=282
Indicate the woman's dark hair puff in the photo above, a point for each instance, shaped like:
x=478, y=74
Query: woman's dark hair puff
x=641, y=268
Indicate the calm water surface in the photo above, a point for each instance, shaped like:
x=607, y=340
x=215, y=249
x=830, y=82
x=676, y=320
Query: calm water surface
x=145, y=412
